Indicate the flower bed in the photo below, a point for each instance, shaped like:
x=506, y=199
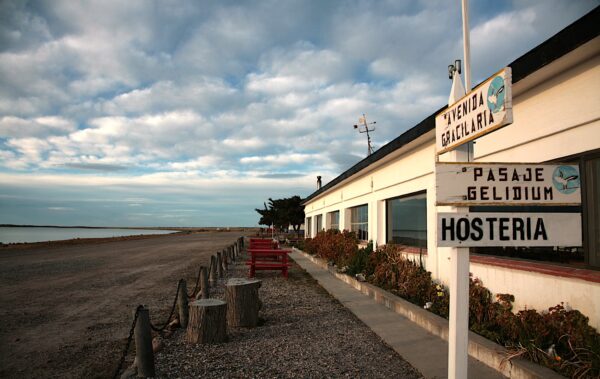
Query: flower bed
x=559, y=338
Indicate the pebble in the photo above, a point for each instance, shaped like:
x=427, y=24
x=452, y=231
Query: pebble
x=306, y=333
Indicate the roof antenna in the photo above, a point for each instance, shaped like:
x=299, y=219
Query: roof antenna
x=362, y=122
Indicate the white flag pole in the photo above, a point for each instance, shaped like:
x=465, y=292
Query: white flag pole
x=466, y=44
x=458, y=333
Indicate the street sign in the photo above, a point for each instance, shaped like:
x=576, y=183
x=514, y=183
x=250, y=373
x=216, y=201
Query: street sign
x=466, y=184
x=486, y=108
x=478, y=229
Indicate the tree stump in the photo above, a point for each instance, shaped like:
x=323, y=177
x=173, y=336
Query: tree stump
x=207, y=323
x=243, y=302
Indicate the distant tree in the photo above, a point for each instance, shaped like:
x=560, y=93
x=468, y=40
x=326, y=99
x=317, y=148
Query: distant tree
x=266, y=216
x=282, y=213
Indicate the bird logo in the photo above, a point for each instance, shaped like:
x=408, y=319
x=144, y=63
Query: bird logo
x=495, y=95
x=566, y=179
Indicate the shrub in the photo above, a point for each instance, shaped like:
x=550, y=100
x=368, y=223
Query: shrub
x=358, y=261
x=559, y=338
x=334, y=246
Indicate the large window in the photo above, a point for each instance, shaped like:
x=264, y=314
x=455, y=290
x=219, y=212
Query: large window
x=308, y=232
x=407, y=220
x=333, y=220
x=587, y=255
x=359, y=221
x=318, y=223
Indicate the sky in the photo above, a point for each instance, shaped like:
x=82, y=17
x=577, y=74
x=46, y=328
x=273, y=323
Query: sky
x=193, y=113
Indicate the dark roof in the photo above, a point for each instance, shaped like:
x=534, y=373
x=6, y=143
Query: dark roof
x=578, y=33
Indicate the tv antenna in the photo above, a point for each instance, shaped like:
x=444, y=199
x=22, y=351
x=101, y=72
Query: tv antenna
x=363, y=127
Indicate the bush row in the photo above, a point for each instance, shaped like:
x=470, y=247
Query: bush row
x=559, y=338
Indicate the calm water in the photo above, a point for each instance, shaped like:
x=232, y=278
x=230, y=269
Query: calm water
x=28, y=234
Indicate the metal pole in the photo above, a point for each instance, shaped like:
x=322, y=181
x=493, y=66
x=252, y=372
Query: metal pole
x=458, y=334
x=466, y=45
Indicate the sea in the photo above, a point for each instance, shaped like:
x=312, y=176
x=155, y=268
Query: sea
x=21, y=234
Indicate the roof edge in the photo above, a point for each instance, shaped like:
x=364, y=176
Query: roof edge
x=568, y=39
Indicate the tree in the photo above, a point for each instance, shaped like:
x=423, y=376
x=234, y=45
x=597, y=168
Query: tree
x=282, y=213
x=266, y=216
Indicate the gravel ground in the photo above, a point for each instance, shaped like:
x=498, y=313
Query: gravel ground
x=305, y=333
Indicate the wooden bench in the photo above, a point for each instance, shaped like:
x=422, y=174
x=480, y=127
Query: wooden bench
x=268, y=259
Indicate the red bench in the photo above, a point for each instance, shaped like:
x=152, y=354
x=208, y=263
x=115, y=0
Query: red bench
x=268, y=259
x=263, y=243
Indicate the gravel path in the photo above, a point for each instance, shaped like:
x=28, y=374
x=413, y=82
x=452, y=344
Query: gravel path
x=306, y=333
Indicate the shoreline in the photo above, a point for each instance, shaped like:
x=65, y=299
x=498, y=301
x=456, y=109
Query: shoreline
x=82, y=241
x=94, y=240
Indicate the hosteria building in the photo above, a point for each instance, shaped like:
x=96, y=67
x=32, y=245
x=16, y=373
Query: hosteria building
x=390, y=196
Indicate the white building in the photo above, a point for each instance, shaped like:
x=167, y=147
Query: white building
x=390, y=195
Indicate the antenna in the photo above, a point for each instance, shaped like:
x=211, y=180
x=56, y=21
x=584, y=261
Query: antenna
x=363, y=120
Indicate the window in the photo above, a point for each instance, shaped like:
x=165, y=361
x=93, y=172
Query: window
x=318, y=223
x=308, y=227
x=333, y=220
x=359, y=221
x=586, y=256
x=406, y=220
x=558, y=254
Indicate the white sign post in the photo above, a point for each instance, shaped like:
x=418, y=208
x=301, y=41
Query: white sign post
x=486, y=108
x=482, y=229
x=466, y=184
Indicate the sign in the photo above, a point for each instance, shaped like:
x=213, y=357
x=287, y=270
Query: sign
x=486, y=108
x=466, y=184
x=509, y=229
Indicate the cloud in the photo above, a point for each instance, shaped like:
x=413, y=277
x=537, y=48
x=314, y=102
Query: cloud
x=44, y=126
x=95, y=166
x=225, y=103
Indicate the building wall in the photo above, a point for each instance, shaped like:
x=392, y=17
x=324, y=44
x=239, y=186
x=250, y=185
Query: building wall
x=557, y=117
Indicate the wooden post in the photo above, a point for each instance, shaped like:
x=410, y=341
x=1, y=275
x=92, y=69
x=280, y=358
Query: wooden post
x=203, y=283
x=224, y=257
x=143, y=344
x=207, y=321
x=243, y=302
x=182, y=303
x=212, y=276
x=219, y=266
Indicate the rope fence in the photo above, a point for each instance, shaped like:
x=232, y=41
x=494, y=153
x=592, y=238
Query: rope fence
x=141, y=326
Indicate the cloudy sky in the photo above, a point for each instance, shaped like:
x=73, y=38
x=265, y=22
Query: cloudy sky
x=193, y=113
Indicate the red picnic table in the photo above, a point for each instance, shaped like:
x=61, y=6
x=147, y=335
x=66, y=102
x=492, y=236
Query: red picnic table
x=268, y=259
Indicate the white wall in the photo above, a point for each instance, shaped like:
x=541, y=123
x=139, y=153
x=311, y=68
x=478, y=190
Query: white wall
x=556, y=117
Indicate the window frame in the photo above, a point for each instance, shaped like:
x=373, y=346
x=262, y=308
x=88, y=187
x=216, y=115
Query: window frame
x=329, y=219
x=318, y=223
x=388, y=215
x=353, y=222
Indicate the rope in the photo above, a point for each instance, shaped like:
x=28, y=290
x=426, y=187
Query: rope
x=131, y=331
x=157, y=329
